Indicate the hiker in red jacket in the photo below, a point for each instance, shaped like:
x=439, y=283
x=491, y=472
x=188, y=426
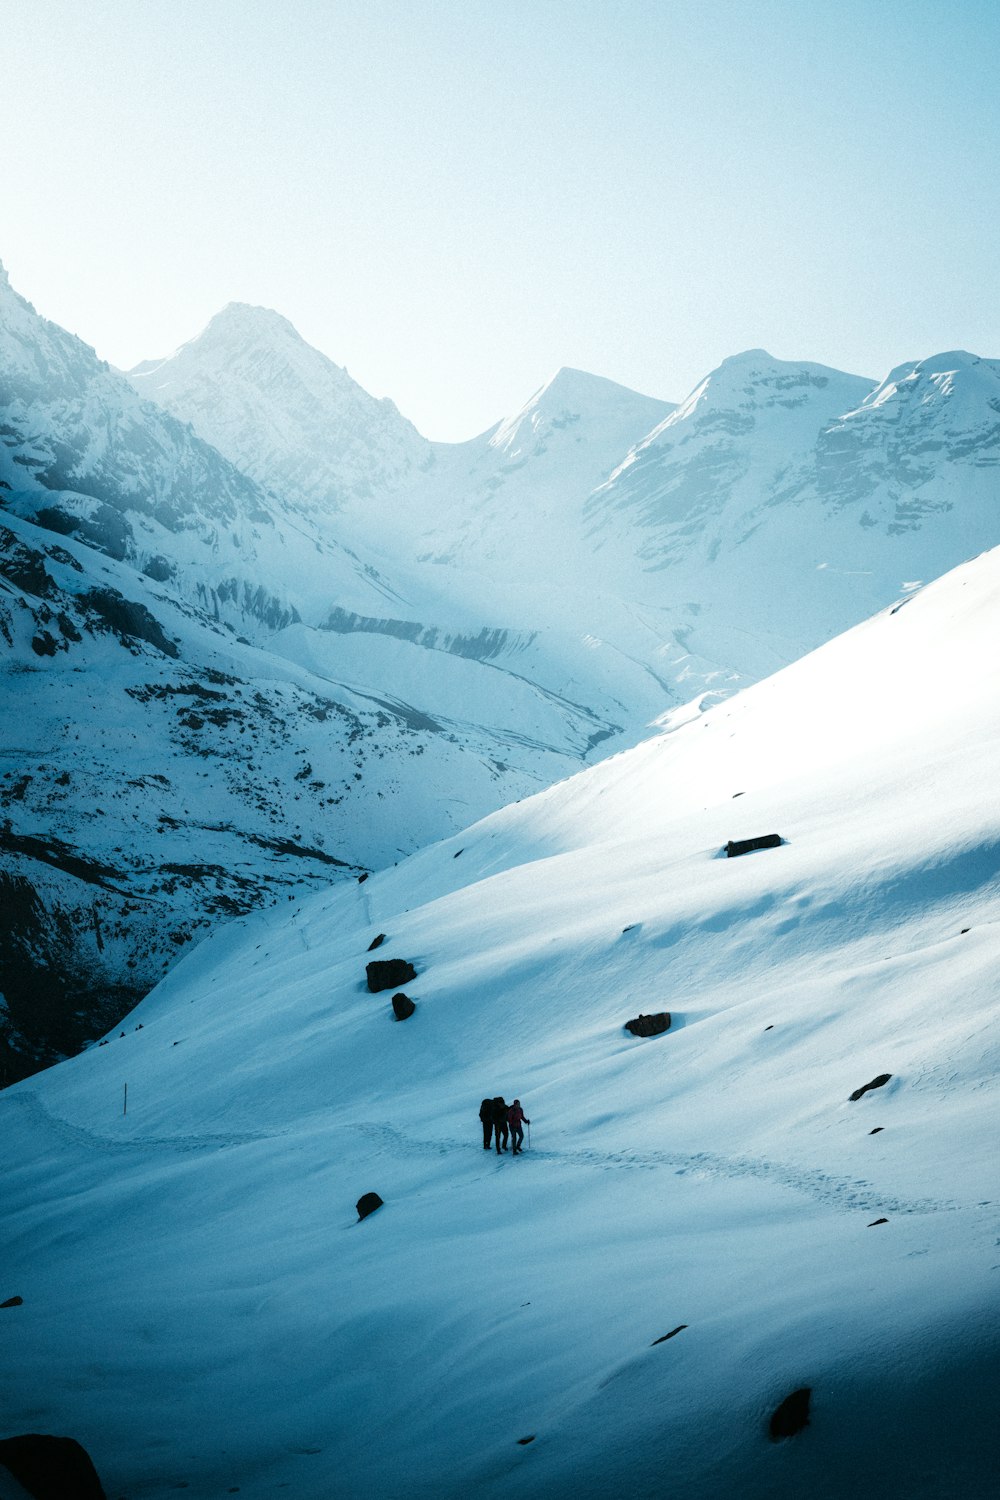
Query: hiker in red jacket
x=517, y=1119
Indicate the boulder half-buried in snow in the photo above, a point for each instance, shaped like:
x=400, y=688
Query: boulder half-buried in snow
x=876, y=1083
x=51, y=1468
x=792, y=1415
x=389, y=974
x=747, y=846
x=402, y=1006
x=367, y=1204
x=649, y=1025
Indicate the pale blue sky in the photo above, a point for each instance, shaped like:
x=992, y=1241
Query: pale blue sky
x=454, y=197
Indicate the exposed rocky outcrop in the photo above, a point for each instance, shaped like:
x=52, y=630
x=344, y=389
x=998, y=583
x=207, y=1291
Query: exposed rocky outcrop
x=649, y=1025
x=387, y=973
x=792, y=1415
x=876, y=1083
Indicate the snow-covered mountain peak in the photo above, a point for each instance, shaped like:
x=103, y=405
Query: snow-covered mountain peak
x=953, y=372
x=571, y=397
x=283, y=411
x=755, y=381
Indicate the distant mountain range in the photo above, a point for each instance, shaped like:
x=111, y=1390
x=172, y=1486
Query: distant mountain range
x=258, y=632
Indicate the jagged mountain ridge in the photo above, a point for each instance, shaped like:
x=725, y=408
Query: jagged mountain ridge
x=778, y=504
x=255, y=390
x=805, y=498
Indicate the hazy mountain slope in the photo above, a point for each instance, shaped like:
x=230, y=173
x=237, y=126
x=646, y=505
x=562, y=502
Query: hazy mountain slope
x=157, y=776
x=81, y=454
x=716, y=1182
x=284, y=413
x=390, y=737
x=796, y=500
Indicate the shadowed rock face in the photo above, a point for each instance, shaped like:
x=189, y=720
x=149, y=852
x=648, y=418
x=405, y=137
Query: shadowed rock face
x=386, y=974
x=51, y=1468
x=747, y=846
x=649, y=1025
x=403, y=1007
x=367, y=1204
x=792, y=1415
x=876, y=1083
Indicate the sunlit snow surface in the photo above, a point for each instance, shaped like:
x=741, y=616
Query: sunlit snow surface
x=201, y=1308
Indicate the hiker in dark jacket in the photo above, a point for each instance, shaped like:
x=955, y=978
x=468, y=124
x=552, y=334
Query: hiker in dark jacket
x=486, y=1115
x=517, y=1119
x=500, y=1126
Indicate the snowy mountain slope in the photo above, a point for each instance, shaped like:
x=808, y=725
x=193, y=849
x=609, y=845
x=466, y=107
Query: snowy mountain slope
x=805, y=499
x=81, y=454
x=477, y=538
x=165, y=522
x=158, y=776
x=208, y=1313
x=513, y=497
x=283, y=413
x=710, y=544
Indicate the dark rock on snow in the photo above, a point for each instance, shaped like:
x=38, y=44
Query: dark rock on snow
x=876, y=1083
x=388, y=973
x=376, y=942
x=367, y=1204
x=649, y=1025
x=362, y=878
x=529, y=1439
x=51, y=1468
x=403, y=1007
x=747, y=846
x=663, y=1337
x=792, y=1415
x=13, y=1302
x=877, y=1130
x=877, y=1221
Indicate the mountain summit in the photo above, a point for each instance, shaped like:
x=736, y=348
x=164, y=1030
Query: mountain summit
x=283, y=412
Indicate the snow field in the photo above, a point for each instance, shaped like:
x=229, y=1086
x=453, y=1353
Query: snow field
x=202, y=1308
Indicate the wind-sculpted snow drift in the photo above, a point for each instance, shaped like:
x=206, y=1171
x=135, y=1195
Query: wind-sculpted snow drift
x=204, y=1310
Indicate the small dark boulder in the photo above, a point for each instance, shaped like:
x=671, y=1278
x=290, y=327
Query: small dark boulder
x=376, y=942
x=362, y=878
x=13, y=1302
x=876, y=1083
x=874, y=1222
x=389, y=974
x=792, y=1415
x=672, y=1334
x=403, y=1007
x=529, y=1439
x=877, y=1131
x=747, y=846
x=457, y=853
x=367, y=1204
x=51, y=1468
x=649, y=1025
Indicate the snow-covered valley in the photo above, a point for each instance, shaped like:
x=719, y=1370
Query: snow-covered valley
x=202, y=1309
x=233, y=672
